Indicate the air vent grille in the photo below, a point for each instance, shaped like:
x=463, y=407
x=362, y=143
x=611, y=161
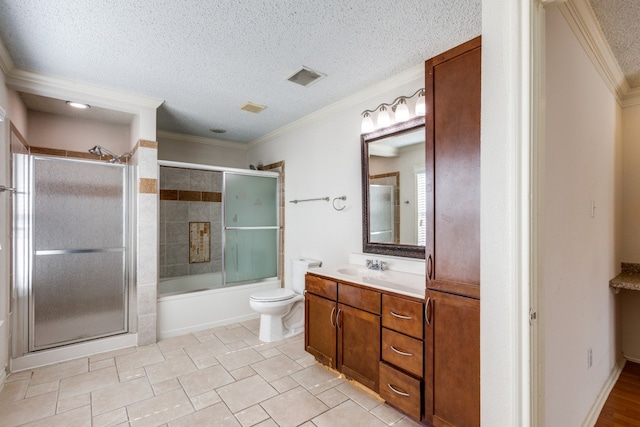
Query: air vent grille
x=305, y=76
x=252, y=107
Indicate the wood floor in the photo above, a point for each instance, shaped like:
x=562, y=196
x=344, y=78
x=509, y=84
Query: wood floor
x=622, y=407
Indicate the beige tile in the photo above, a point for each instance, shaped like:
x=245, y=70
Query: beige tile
x=252, y=416
x=28, y=410
x=217, y=415
x=165, y=386
x=332, y=397
x=276, y=367
x=387, y=414
x=18, y=376
x=176, y=343
x=347, y=413
x=238, y=359
x=87, y=382
x=74, y=402
x=175, y=354
x=284, y=384
x=270, y=352
x=58, y=371
x=205, y=399
x=233, y=325
x=366, y=399
x=13, y=391
x=101, y=364
x=236, y=334
x=208, y=332
x=407, y=422
x=245, y=393
x=119, y=395
x=242, y=373
x=160, y=409
x=207, y=349
x=317, y=379
x=205, y=380
x=306, y=361
x=132, y=375
x=253, y=325
x=111, y=354
x=80, y=417
x=144, y=356
x=111, y=418
x=294, y=350
x=267, y=423
x=166, y=370
x=293, y=407
x=206, y=362
x=237, y=345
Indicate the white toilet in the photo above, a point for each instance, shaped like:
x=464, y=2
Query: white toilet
x=282, y=310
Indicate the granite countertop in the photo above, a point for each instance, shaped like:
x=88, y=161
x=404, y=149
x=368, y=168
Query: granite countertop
x=629, y=278
x=398, y=282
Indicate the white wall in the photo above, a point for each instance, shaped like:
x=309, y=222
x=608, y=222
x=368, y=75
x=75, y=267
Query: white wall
x=579, y=254
x=322, y=159
x=74, y=134
x=190, y=150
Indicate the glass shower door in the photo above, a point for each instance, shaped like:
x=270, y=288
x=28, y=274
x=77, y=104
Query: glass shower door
x=251, y=227
x=78, y=285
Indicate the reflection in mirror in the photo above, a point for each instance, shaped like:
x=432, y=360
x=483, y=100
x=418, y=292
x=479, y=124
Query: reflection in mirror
x=393, y=183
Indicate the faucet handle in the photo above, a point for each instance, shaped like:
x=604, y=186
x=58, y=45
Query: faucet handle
x=383, y=265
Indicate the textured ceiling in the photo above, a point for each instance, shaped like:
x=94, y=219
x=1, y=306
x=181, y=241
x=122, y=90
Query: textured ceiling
x=206, y=58
x=58, y=106
x=620, y=23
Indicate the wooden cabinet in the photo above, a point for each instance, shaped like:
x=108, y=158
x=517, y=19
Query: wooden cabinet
x=452, y=320
x=452, y=360
x=342, y=328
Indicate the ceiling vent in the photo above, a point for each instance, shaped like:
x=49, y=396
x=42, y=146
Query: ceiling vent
x=305, y=76
x=252, y=108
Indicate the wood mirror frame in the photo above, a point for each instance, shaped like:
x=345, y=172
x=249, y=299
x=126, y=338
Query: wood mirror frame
x=401, y=250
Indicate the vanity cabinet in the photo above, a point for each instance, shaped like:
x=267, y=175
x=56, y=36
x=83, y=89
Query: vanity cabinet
x=452, y=312
x=342, y=328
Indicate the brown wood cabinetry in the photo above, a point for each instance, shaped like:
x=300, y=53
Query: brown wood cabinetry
x=342, y=328
x=452, y=319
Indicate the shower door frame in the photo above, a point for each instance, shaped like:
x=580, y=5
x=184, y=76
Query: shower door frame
x=24, y=329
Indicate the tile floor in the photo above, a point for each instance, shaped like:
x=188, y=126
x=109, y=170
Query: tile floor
x=218, y=377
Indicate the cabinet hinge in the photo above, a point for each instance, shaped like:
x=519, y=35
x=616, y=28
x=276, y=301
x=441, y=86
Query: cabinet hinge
x=533, y=315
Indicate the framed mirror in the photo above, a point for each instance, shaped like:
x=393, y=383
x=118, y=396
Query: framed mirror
x=393, y=190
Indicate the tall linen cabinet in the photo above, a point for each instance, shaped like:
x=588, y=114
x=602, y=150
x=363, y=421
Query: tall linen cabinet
x=452, y=310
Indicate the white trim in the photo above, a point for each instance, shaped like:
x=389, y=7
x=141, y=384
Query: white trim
x=407, y=76
x=3, y=378
x=598, y=404
x=6, y=63
x=3, y=114
x=632, y=359
x=161, y=134
x=47, y=357
x=632, y=98
x=583, y=22
x=62, y=88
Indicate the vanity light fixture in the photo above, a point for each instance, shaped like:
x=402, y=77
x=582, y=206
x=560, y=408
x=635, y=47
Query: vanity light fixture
x=398, y=107
x=78, y=105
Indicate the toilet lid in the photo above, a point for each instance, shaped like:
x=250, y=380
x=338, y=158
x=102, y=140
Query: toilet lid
x=280, y=294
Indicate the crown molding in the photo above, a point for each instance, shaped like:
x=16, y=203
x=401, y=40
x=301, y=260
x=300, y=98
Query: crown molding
x=580, y=17
x=161, y=134
x=632, y=98
x=407, y=76
x=6, y=62
x=62, y=88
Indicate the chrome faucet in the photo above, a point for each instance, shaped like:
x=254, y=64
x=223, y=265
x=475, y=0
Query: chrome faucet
x=375, y=264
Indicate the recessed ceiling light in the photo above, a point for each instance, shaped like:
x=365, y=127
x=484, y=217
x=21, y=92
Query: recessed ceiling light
x=217, y=130
x=78, y=105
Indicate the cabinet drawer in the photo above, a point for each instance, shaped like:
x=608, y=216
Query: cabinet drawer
x=359, y=298
x=402, y=315
x=322, y=287
x=400, y=390
x=402, y=351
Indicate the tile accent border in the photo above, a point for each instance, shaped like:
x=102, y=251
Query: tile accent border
x=190, y=196
x=148, y=186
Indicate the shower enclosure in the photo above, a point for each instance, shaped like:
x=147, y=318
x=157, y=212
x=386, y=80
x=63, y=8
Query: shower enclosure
x=70, y=222
x=219, y=227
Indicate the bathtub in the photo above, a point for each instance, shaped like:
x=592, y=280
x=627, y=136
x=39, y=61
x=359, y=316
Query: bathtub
x=192, y=303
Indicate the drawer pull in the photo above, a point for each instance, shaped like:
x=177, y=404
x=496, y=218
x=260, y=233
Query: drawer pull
x=401, y=393
x=333, y=311
x=401, y=352
x=400, y=316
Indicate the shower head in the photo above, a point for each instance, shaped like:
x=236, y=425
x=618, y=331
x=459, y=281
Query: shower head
x=100, y=151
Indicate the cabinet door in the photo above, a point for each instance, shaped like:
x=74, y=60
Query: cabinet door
x=359, y=345
x=452, y=360
x=320, y=330
x=452, y=93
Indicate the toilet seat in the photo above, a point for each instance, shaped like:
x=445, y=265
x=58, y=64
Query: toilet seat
x=273, y=295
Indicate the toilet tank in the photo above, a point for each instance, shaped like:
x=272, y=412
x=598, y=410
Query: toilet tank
x=299, y=267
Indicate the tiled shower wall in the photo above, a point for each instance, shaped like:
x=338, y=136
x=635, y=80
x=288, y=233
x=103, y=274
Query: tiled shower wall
x=188, y=196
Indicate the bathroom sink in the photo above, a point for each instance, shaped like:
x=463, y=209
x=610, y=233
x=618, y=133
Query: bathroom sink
x=361, y=272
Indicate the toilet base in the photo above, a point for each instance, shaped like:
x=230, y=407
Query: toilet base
x=277, y=328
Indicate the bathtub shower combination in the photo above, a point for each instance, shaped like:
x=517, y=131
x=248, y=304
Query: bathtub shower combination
x=219, y=234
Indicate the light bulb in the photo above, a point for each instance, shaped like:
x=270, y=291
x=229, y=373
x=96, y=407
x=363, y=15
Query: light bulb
x=402, y=111
x=367, y=123
x=421, y=106
x=384, y=119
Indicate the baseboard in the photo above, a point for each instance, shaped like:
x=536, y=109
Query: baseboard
x=633, y=359
x=598, y=404
x=3, y=378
